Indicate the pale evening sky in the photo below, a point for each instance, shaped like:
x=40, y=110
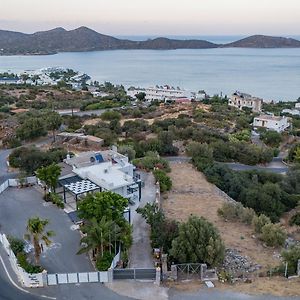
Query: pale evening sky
x=155, y=17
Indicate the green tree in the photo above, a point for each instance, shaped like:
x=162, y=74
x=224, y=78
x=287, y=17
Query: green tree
x=49, y=175
x=291, y=257
x=100, y=236
x=271, y=138
x=273, y=235
x=98, y=205
x=30, y=129
x=198, y=242
x=36, y=234
x=53, y=123
x=140, y=96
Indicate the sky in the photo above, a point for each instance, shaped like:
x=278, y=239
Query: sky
x=155, y=17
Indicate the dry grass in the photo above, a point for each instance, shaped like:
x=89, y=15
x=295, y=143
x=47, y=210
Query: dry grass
x=277, y=286
x=193, y=195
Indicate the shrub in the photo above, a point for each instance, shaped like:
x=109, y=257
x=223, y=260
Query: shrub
x=56, y=199
x=198, y=241
x=151, y=161
x=235, y=211
x=291, y=256
x=273, y=235
x=111, y=115
x=103, y=263
x=295, y=219
x=28, y=267
x=16, y=245
x=259, y=222
x=247, y=215
x=164, y=180
x=231, y=211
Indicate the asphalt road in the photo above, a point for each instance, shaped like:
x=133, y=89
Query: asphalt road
x=4, y=175
x=276, y=166
x=18, y=205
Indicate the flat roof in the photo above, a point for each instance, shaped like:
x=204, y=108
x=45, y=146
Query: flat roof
x=268, y=117
x=105, y=175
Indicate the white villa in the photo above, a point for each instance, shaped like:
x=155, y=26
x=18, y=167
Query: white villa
x=160, y=93
x=271, y=122
x=100, y=171
x=293, y=112
x=242, y=100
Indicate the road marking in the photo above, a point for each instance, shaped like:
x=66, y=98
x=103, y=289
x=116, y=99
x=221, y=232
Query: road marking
x=19, y=288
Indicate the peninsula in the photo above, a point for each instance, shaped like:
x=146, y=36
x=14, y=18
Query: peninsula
x=85, y=39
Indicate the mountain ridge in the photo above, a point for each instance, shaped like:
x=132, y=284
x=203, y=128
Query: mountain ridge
x=85, y=39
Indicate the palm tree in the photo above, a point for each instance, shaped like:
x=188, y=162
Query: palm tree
x=99, y=236
x=36, y=234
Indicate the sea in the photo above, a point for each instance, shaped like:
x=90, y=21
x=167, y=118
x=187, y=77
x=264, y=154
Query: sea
x=272, y=74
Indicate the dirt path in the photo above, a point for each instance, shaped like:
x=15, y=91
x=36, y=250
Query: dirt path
x=193, y=195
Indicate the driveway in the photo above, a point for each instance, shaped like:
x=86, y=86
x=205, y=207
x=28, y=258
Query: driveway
x=140, y=255
x=18, y=205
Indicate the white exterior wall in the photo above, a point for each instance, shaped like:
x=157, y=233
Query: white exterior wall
x=159, y=94
x=271, y=124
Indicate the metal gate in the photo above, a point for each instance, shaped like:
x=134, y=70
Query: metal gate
x=189, y=271
x=135, y=274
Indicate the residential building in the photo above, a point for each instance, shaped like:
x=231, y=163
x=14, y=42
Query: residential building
x=293, y=112
x=271, y=122
x=100, y=171
x=160, y=93
x=242, y=100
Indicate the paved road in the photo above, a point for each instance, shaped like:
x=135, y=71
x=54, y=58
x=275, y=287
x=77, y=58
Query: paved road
x=275, y=166
x=18, y=205
x=140, y=252
x=4, y=174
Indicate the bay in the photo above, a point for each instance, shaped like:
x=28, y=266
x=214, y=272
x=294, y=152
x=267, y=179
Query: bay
x=273, y=74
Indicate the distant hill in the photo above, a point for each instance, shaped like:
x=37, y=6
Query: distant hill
x=263, y=41
x=82, y=39
x=85, y=39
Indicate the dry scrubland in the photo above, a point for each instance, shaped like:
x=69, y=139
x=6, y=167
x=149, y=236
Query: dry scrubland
x=193, y=195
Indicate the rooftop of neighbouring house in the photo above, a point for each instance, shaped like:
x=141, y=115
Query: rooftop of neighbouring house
x=270, y=118
x=246, y=96
x=91, y=158
x=106, y=175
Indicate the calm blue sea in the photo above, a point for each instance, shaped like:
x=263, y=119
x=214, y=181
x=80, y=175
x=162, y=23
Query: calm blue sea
x=273, y=74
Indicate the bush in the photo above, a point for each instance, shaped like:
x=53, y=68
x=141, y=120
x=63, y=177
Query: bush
x=56, y=199
x=295, y=219
x=151, y=161
x=231, y=211
x=259, y=222
x=111, y=115
x=28, y=267
x=273, y=235
x=291, y=256
x=164, y=180
x=16, y=245
x=236, y=212
x=103, y=263
x=198, y=241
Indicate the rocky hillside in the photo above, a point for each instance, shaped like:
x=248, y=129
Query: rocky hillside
x=82, y=39
x=263, y=41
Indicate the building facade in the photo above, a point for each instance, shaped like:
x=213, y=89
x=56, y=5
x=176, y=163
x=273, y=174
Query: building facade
x=160, y=93
x=242, y=100
x=271, y=122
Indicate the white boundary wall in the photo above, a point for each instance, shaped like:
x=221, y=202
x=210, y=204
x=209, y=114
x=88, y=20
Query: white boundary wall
x=27, y=280
x=16, y=182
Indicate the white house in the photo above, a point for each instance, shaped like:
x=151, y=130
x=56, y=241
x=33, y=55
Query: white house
x=100, y=171
x=293, y=112
x=242, y=100
x=160, y=93
x=271, y=122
